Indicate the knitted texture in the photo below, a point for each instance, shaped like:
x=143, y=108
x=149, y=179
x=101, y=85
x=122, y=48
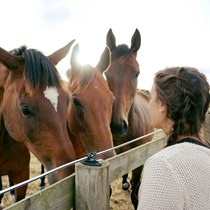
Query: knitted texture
x=176, y=178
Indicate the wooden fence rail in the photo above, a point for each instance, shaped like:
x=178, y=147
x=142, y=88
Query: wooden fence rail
x=92, y=183
x=88, y=188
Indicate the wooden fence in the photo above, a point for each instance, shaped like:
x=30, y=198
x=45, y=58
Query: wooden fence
x=88, y=187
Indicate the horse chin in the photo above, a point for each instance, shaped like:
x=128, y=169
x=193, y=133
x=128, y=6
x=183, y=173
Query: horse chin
x=118, y=135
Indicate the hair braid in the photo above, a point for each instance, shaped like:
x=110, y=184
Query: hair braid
x=185, y=91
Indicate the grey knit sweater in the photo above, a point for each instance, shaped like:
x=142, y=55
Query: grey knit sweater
x=176, y=178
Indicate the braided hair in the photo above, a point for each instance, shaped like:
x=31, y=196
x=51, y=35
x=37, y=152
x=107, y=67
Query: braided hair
x=185, y=91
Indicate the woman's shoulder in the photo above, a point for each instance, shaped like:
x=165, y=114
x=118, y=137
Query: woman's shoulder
x=182, y=150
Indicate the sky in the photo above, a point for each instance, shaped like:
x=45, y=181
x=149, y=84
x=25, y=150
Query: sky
x=173, y=32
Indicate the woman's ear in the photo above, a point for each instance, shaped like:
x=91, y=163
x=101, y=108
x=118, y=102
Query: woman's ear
x=162, y=107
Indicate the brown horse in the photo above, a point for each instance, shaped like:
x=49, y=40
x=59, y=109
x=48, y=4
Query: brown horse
x=34, y=106
x=14, y=156
x=130, y=114
x=89, y=127
x=14, y=162
x=90, y=107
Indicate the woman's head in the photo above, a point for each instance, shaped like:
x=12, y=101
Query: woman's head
x=184, y=92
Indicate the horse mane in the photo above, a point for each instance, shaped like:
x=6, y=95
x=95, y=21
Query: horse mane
x=86, y=75
x=120, y=50
x=39, y=71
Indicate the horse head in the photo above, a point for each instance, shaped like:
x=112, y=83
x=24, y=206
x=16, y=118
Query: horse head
x=34, y=106
x=122, y=75
x=90, y=108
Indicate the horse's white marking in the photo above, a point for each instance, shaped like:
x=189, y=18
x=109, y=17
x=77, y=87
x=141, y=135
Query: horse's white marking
x=51, y=94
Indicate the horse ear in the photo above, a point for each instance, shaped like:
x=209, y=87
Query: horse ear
x=58, y=55
x=110, y=40
x=104, y=60
x=12, y=62
x=136, y=41
x=74, y=56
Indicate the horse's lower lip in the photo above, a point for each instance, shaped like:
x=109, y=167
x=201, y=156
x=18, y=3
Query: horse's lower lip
x=118, y=136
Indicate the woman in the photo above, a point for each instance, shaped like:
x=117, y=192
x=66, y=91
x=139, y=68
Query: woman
x=178, y=177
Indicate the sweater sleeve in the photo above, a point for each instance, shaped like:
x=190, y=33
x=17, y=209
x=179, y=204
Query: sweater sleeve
x=160, y=187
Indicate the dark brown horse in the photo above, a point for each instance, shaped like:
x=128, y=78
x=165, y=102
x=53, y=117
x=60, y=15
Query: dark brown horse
x=34, y=106
x=130, y=114
x=90, y=107
x=14, y=162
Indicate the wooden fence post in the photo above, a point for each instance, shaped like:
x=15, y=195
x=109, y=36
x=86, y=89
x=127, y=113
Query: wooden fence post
x=92, y=186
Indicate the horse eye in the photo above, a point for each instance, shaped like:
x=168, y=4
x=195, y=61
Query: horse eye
x=78, y=109
x=26, y=110
x=137, y=74
x=76, y=102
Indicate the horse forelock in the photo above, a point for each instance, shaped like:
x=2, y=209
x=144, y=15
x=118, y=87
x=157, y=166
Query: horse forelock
x=18, y=51
x=120, y=50
x=82, y=81
x=39, y=72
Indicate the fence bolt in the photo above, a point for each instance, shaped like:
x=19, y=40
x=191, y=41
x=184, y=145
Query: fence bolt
x=91, y=160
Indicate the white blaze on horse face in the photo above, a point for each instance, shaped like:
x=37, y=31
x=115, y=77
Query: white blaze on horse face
x=51, y=94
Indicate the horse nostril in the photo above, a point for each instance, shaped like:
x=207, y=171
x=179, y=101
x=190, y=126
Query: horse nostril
x=124, y=127
x=119, y=129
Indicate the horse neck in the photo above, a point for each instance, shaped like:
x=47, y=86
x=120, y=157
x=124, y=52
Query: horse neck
x=139, y=110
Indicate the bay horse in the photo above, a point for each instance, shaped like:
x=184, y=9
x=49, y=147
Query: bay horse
x=14, y=156
x=90, y=107
x=14, y=162
x=34, y=106
x=130, y=113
